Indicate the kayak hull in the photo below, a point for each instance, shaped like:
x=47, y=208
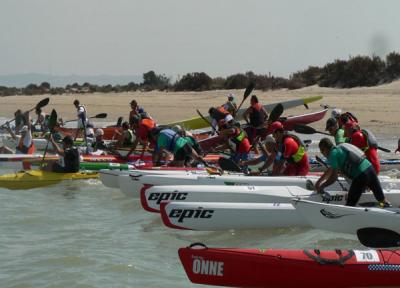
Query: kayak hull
x=235, y=267
x=35, y=178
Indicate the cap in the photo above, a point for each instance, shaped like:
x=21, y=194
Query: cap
x=276, y=126
x=336, y=113
x=269, y=139
x=68, y=140
x=177, y=128
x=228, y=118
x=99, y=132
x=330, y=123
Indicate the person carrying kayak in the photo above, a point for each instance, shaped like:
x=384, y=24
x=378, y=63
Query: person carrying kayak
x=291, y=152
x=69, y=159
x=332, y=127
x=364, y=140
x=82, y=117
x=142, y=128
x=236, y=139
x=230, y=105
x=218, y=116
x=167, y=140
x=256, y=116
x=352, y=163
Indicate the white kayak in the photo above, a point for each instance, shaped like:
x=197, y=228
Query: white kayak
x=152, y=196
x=211, y=216
x=133, y=185
x=346, y=219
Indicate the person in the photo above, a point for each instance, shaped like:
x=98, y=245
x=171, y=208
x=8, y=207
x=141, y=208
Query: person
x=364, y=140
x=398, y=147
x=98, y=143
x=268, y=158
x=218, y=116
x=332, y=126
x=292, y=158
x=143, y=128
x=352, y=163
x=230, y=105
x=41, y=119
x=256, y=116
x=20, y=121
x=167, y=140
x=236, y=139
x=82, y=117
x=189, y=161
x=126, y=137
x=70, y=158
x=25, y=143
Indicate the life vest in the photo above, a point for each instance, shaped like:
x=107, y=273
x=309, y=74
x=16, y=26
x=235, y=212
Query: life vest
x=82, y=116
x=23, y=149
x=129, y=140
x=220, y=113
x=371, y=139
x=256, y=116
x=354, y=158
x=148, y=123
x=296, y=157
x=237, y=138
x=347, y=117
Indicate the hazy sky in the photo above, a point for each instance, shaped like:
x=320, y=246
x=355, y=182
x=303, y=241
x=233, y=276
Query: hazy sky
x=219, y=37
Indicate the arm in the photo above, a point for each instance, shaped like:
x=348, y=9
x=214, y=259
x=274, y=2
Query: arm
x=246, y=114
x=135, y=143
x=328, y=178
x=56, y=147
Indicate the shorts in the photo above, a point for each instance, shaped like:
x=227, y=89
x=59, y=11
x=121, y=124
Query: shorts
x=182, y=153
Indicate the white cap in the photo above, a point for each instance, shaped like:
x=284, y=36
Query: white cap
x=336, y=112
x=228, y=118
x=269, y=139
x=24, y=128
x=231, y=95
x=177, y=128
x=99, y=132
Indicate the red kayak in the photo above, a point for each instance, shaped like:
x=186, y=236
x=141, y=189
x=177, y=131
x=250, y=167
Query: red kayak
x=291, y=268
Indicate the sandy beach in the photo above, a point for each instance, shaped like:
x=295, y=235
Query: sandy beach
x=377, y=108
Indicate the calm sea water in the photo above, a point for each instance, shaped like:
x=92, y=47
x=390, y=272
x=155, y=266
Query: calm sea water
x=82, y=234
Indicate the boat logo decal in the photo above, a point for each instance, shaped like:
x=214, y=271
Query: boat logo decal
x=207, y=267
x=331, y=215
x=200, y=212
x=166, y=196
x=327, y=198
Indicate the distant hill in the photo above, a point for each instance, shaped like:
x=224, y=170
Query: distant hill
x=22, y=80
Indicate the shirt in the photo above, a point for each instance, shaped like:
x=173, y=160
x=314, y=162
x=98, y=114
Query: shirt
x=338, y=157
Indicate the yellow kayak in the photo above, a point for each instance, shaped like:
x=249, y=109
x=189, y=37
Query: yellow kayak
x=36, y=178
x=199, y=123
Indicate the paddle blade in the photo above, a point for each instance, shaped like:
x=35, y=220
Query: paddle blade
x=248, y=90
x=101, y=116
x=42, y=103
x=52, y=120
x=378, y=237
x=228, y=165
x=303, y=129
x=119, y=121
x=276, y=113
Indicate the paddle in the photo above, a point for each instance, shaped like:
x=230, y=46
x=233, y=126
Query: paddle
x=206, y=120
x=275, y=113
x=39, y=105
x=378, y=237
x=246, y=94
x=229, y=165
x=324, y=164
x=98, y=116
x=52, y=125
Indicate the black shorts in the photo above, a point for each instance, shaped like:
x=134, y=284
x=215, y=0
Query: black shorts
x=183, y=153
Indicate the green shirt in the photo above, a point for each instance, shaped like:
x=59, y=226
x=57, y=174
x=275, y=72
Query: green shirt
x=164, y=141
x=339, y=137
x=337, y=158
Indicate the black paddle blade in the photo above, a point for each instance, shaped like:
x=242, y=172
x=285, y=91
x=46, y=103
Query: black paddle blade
x=52, y=120
x=42, y=103
x=378, y=237
x=119, y=121
x=276, y=113
x=303, y=129
x=101, y=115
x=228, y=165
x=248, y=90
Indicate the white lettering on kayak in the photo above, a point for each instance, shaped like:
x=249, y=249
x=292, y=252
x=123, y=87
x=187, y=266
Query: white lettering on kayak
x=207, y=267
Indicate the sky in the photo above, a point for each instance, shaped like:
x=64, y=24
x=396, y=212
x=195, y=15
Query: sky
x=175, y=37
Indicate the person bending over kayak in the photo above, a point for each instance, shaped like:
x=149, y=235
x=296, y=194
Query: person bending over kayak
x=218, y=116
x=366, y=141
x=167, y=140
x=189, y=161
x=332, y=126
x=143, y=128
x=256, y=116
x=352, y=163
x=291, y=152
x=82, y=117
x=230, y=105
x=69, y=156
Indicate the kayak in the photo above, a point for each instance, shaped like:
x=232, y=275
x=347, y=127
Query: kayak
x=199, y=123
x=39, y=143
x=346, y=219
x=234, y=267
x=37, y=178
x=152, y=196
x=110, y=178
x=213, y=216
x=386, y=164
x=133, y=185
x=109, y=132
x=288, y=124
x=104, y=165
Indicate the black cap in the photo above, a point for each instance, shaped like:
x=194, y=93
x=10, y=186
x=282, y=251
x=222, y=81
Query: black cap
x=330, y=123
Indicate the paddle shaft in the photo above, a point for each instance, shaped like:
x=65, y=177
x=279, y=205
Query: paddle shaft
x=98, y=116
x=323, y=163
x=205, y=119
